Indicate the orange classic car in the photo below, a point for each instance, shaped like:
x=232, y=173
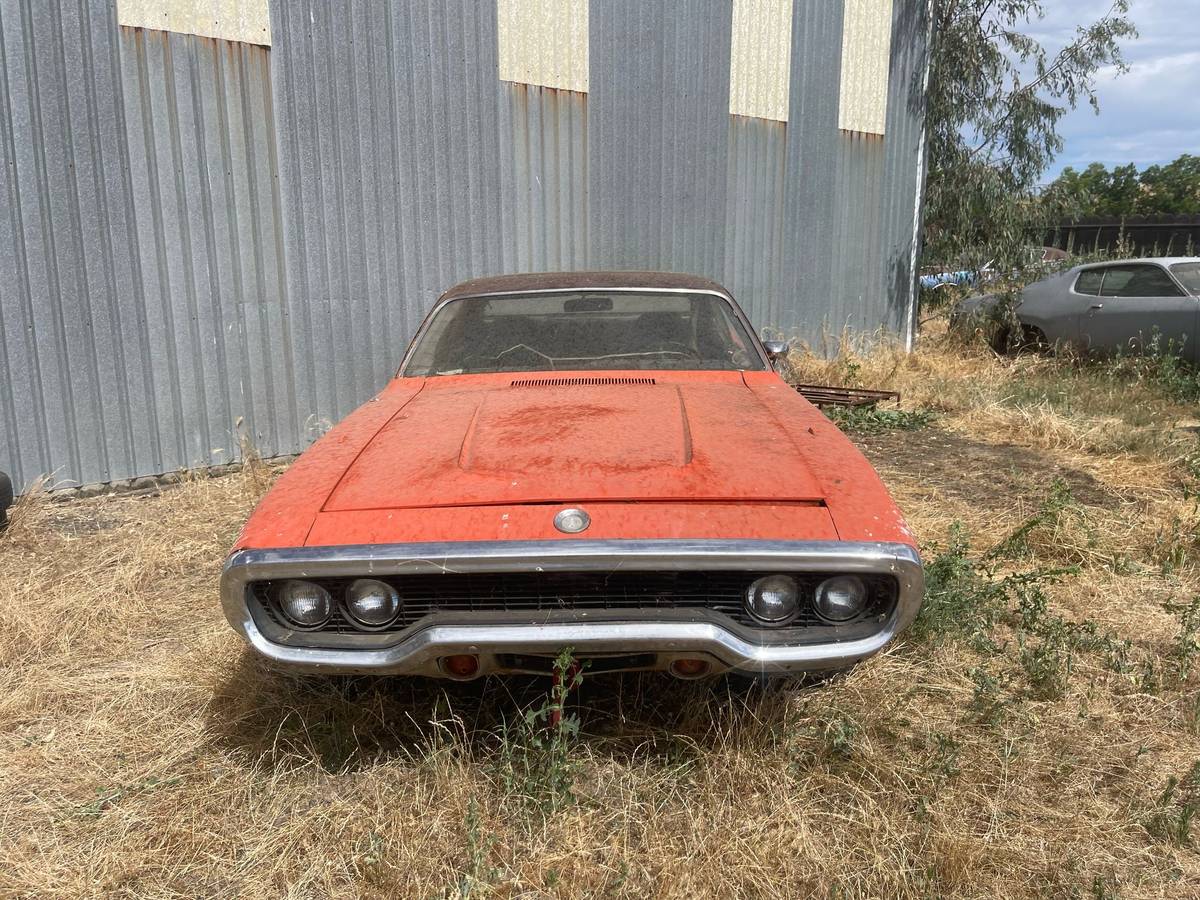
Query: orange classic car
x=599, y=461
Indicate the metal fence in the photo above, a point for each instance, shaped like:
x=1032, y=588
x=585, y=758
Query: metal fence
x=1140, y=235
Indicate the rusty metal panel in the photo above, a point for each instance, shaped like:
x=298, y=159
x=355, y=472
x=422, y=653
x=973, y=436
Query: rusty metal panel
x=230, y=20
x=544, y=42
x=760, y=58
x=866, y=53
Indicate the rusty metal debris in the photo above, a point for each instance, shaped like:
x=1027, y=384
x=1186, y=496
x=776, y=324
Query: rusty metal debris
x=827, y=395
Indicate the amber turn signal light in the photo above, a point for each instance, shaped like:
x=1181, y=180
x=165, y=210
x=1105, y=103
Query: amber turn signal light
x=462, y=665
x=689, y=668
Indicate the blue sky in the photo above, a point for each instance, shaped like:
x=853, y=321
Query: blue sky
x=1150, y=114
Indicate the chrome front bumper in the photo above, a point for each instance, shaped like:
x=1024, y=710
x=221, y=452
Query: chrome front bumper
x=663, y=636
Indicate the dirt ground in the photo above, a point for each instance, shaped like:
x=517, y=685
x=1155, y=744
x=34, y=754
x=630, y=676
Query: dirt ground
x=1037, y=735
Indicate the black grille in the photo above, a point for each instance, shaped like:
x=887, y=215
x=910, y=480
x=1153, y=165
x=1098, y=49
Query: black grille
x=551, y=592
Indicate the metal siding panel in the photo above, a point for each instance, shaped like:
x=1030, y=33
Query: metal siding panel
x=866, y=43
x=229, y=20
x=755, y=216
x=904, y=176
x=543, y=42
x=113, y=346
x=27, y=442
x=807, y=286
x=49, y=234
x=657, y=170
x=859, y=303
x=461, y=199
x=760, y=59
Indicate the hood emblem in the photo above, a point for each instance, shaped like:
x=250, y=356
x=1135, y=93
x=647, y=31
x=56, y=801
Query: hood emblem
x=572, y=521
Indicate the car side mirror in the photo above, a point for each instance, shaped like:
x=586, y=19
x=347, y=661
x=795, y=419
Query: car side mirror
x=776, y=350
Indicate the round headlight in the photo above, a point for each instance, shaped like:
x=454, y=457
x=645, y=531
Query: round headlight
x=773, y=599
x=371, y=603
x=841, y=598
x=305, y=605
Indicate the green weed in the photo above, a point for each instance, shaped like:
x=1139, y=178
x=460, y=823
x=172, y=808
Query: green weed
x=840, y=734
x=1175, y=809
x=480, y=875
x=1175, y=542
x=967, y=596
x=987, y=706
x=831, y=735
x=960, y=599
x=871, y=420
x=106, y=798
x=1187, y=642
x=1192, y=714
x=535, y=761
x=1047, y=662
x=1057, y=506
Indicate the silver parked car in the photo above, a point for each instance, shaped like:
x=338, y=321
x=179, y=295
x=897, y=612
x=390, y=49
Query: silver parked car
x=1128, y=305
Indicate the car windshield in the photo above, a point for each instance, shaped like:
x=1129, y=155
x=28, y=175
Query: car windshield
x=583, y=330
x=1188, y=274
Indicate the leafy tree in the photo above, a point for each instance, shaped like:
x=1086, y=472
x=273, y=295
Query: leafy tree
x=1173, y=189
x=996, y=96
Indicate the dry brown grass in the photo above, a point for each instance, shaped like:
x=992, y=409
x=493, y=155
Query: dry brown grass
x=144, y=752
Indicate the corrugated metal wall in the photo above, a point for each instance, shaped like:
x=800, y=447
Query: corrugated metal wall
x=140, y=261
x=198, y=231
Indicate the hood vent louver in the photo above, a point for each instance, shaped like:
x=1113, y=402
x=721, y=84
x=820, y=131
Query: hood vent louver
x=568, y=382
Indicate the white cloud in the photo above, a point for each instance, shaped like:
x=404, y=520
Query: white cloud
x=1150, y=114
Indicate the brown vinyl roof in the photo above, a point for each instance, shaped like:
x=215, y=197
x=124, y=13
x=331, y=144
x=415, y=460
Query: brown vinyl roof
x=570, y=281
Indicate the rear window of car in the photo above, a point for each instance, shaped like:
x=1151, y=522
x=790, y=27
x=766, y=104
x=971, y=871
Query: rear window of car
x=1089, y=282
x=1189, y=276
x=1138, y=281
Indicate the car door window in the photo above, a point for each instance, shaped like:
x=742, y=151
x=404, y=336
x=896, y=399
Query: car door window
x=1089, y=282
x=1138, y=281
x=1189, y=274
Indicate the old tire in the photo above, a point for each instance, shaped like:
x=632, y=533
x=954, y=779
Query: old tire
x=6, y=498
x=1032, y=338
x=1001, y=339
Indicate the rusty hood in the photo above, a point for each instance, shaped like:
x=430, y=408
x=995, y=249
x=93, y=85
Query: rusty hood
x=472, y=440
